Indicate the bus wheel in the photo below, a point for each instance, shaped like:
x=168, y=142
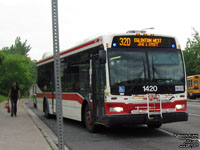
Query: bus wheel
x=154, y=126
x=191, y=96
x=88, y=120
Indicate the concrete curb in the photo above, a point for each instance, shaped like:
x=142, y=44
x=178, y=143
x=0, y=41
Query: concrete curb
x=45, y=130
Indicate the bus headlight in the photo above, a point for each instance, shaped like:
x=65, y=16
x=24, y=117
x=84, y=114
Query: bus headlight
x=116, y=109
x=180, y=106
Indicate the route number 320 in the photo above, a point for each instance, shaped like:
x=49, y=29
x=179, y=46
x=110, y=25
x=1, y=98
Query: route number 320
x=150, y=88
x=125, y=42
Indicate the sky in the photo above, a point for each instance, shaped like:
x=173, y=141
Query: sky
x=81, y=19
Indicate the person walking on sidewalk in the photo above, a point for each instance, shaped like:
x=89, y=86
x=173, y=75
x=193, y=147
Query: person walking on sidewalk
x=14, y=95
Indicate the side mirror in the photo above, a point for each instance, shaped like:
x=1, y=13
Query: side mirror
x=102, y=56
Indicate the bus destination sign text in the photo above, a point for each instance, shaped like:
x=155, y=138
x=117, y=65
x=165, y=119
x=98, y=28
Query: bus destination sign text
x=141, y=41
x=147, y=42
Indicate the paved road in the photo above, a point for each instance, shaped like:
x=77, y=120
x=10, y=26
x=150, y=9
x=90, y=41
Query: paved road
x=138, y=137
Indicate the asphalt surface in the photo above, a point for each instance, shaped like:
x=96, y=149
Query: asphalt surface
x=127, y=138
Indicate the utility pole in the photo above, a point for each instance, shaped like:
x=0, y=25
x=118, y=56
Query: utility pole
x=56, y=50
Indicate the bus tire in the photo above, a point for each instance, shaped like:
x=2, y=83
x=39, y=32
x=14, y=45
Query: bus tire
x=154, y=126
x=88, y=120
x=46, y=110
x=191, y=96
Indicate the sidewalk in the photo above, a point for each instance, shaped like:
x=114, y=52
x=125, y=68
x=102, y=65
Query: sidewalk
x=20, y=133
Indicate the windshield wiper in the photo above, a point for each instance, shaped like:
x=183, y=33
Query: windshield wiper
x=144, y=68
x=153, y=69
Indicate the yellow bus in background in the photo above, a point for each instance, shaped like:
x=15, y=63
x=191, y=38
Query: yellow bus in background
x=193, y=86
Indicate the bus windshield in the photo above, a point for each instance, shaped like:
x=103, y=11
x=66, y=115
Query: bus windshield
x=140, y=66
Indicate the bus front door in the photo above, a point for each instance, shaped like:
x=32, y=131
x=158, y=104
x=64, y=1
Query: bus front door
x=98, y=87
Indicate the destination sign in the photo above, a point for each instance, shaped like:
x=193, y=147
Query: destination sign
x=143, y=41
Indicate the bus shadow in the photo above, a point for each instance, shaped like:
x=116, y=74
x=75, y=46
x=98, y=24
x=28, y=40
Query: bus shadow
x=76, y=127
x=138, y=131
x=135, y=131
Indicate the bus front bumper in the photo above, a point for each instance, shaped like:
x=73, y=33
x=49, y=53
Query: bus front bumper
x=111, y=120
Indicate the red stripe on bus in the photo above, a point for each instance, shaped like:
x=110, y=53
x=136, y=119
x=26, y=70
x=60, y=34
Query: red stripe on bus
x=42, y=95
x=65, y=96
x=71, y=50
x=44, y=60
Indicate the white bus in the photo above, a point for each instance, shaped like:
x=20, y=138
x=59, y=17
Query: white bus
x=119, y=79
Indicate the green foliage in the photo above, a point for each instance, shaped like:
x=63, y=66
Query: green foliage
x=192, y=54
x=16, y=66
x=3, y=98
x=18, y=48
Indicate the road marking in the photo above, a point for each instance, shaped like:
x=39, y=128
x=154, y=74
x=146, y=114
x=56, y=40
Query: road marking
x=171, y=134
x=167, y=132
x=194, y=115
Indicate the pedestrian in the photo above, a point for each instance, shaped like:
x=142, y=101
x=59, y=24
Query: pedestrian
x=14, y=95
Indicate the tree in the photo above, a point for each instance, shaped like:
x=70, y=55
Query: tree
x=0, y=60
x=19, y=47
x=192, y=54
x=16, y=68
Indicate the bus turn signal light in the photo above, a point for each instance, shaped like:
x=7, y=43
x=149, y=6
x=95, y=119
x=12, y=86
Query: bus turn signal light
x=182, y=95
x=107, y=45
x=114, y=98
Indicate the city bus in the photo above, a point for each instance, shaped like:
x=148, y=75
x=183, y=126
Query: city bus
x=193, y=86
x=118, y=80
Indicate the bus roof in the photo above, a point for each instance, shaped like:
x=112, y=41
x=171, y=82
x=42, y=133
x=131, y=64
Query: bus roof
x=95, y=41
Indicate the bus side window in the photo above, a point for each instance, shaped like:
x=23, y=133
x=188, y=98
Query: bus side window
x=44, y=77
x=75, y=77
x=69, y=77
